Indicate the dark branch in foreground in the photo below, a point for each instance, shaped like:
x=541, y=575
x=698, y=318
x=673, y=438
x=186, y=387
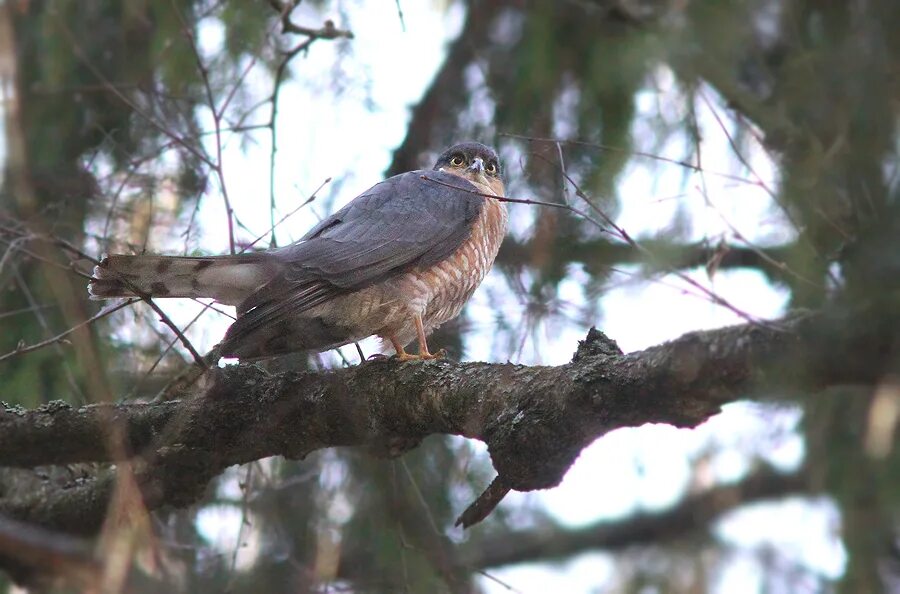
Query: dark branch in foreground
x=28, y=552
x=535, y=420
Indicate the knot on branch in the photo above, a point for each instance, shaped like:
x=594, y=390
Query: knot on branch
x=596, y=343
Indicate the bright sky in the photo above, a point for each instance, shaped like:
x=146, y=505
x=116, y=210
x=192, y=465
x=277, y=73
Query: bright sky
x=645, y=468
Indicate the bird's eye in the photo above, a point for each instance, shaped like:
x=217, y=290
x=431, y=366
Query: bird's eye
x=491, y=168
x=457, y=160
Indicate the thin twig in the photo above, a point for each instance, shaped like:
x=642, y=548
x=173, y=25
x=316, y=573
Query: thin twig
x=60, y=338
x=328, y=30
x=711, y=295
x=76, y=48
x=289, y=215
x=775, y=197
x=171, y=343
x=568, y=207
x=45, y=326
x=615, y=149
x=217, y=123
x=165, y=319
x=400, y=15
x=562, y=167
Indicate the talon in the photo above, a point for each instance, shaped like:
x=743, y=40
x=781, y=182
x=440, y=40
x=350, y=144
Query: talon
x=377, y=357
x=426, y=356
x=423, y=355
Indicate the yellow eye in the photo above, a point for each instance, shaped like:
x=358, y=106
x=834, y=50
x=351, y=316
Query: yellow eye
x=457, y=161
x=491, y=168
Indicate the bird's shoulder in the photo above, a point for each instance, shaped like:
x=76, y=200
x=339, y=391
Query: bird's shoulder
x=414, y=197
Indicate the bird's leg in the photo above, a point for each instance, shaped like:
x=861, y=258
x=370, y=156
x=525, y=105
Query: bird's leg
x=402, y=355
x=398, y=348
x=423, y=344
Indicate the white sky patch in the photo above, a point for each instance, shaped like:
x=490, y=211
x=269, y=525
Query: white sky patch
x=741, y=575
x=651, y=467
x=805, y=532
x=584, y=573
x=641, y=314
x=724, y=193
x=221, y=525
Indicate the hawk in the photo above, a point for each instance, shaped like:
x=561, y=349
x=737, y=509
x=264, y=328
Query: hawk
x=397, y=262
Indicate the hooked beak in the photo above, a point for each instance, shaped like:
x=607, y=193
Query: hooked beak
x=477, y=165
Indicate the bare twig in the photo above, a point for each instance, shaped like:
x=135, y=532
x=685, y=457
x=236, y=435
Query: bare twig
x=165, y=319
x=604, y=147
x=558, y=205
x=288, y=215
x=327, y=31
x=772, y=194
x=400, y=15
x=612, y=228
x=60, y=338
x=623, y=234
x=216, y=164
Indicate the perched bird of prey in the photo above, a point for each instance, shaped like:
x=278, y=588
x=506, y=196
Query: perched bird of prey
x=398, y=261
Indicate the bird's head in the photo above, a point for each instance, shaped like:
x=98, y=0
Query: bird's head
x=475, y=162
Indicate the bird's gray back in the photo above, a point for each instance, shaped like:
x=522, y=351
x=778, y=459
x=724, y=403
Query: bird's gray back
x=401, y=221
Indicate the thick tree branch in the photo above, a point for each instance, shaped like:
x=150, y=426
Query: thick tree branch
x=535, y=420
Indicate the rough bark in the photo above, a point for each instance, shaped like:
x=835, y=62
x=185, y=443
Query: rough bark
x=535, y=420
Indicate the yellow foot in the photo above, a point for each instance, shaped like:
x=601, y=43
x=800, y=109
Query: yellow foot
x=404, y=356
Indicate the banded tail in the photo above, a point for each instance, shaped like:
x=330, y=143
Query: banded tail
x=227, y=279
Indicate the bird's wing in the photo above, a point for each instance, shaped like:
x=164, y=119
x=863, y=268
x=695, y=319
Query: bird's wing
x=402, y=222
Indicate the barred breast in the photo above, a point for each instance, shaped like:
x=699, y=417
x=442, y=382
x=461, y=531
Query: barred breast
x=437, y=293
x=454, y=280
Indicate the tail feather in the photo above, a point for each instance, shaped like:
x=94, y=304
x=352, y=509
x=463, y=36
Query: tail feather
x=227, y=279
